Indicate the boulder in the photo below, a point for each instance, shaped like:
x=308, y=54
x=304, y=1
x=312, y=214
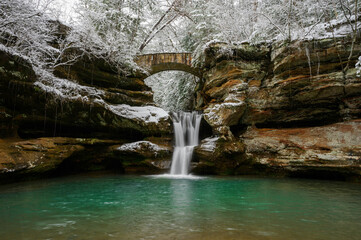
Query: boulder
x=144, y=157
x=224, y=114
x=216, y=155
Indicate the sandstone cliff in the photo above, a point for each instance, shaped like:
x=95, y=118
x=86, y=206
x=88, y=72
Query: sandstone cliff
x=63, y=122
x=291, y=108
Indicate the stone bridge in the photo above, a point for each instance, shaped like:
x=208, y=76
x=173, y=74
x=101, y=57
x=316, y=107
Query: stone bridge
x=159, y=62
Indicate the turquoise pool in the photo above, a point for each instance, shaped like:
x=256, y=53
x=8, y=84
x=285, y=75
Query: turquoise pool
x=150, y=207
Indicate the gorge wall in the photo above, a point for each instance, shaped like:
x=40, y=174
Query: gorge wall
x=290, y=109
x=77, y=120
x=285, y=109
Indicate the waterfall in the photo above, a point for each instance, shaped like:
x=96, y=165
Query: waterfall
x=186, y=132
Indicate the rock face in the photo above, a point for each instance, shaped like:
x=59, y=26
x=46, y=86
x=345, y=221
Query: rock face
x=220, y=156
x=262, y=96
x=55, y=106
x=45, y=156
x=36, y=155
x=290, y=109
x=279, y=84
x=43, y=115
x=333, y=150
x=232, y=71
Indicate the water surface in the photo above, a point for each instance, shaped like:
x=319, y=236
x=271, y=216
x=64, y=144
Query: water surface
x=129, y=207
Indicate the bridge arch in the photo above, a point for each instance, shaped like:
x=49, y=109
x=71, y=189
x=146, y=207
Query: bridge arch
x=159, y=62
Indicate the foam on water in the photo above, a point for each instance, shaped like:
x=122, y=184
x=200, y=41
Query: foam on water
x=179, y=176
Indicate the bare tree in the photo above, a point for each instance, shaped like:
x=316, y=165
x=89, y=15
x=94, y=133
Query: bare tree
x=165, y=20
x=352, y=19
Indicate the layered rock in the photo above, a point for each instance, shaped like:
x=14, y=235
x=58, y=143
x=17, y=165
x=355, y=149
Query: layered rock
x=88, y=100
x=231, y=73
x=331, y=151
x=221, y=156
x=270, y=107
x=52, y=105
x=277, y=86
x=295, y=83
x=45, y=156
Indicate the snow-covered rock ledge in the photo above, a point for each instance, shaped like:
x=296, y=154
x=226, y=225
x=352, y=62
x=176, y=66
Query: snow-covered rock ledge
x=145, y=148
x=144, y=157
x=146, y=114
x=149, y=120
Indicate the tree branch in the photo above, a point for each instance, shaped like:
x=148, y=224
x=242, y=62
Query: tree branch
x=153, y=30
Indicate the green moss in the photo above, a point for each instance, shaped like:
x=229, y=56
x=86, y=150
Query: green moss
x=37, y=89
x=351, y=73
x=208, y=164
x=88, y=141
x=134, y=162
x=84, y=115
x=9, y=165
x=326, y=41
x=17, y=74
x=102, y=121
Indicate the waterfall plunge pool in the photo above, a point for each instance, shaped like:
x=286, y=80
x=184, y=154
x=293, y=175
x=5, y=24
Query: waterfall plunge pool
x=147, y=207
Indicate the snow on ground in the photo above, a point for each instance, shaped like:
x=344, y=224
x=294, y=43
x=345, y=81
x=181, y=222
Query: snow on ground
x=60, y=88
x=209, y=144
x=11, y=51
x=331, y=29
x=137, y=146
x=65, y=89
x=145, y=114
x=68, y=90
x=217, y=113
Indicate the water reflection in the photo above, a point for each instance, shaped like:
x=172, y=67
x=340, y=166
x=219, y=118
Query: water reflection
x=181, y=195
